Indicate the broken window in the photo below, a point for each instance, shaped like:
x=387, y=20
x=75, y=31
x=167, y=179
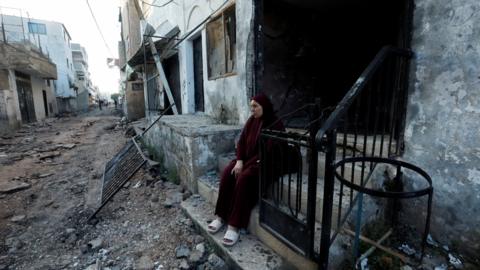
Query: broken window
x=221, y=44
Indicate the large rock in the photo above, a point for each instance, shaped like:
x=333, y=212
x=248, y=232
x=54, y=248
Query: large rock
x=13, y=186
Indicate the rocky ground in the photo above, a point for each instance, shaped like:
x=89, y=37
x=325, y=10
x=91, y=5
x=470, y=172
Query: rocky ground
x=50, y=178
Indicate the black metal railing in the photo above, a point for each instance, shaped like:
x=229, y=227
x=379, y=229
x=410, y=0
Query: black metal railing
x=368, y=123
x=349, y=143
x=289, y=181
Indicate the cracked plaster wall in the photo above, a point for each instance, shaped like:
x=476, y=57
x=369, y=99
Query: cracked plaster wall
x=226, y=98
x=442, y=132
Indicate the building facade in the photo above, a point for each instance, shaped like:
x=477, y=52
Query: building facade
x=26, y=79
x=82, y=77
x=53, y=39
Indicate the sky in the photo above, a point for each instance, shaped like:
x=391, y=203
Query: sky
x=78, y=20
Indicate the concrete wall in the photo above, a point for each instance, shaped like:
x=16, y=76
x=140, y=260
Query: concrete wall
x=38, y=85
x=11, y=117
x=443, y=127
x=226, y=97
x=134, y=103
x=190, y=145
x=82, y=101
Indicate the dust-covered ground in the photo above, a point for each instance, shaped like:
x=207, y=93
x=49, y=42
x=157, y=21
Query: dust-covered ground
x=50, y=181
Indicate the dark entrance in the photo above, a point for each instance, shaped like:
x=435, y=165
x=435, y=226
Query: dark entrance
x=171, y=67
x=45, y=103
x=198, y=74
x=25, y=97
x=316, y=50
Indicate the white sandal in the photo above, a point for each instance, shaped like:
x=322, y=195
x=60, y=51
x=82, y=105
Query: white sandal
x=230, y=238
x=215, y=226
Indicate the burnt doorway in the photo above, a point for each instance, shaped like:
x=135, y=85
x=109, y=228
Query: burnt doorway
x=198, y=74
x=316, y=50
x=172, y=72
x=25, y=97
x=45, y=102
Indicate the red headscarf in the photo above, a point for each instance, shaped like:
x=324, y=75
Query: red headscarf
x=268, y=115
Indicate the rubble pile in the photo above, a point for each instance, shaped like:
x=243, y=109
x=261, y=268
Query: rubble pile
x=50, y=181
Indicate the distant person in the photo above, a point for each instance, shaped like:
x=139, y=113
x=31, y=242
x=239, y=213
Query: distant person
x=100, y=104
x=116, y=103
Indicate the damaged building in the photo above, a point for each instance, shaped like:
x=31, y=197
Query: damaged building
x=396, y=81
x=53, y=40
x=26, y=78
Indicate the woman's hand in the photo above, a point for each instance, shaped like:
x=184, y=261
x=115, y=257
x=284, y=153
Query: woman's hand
x=237, y=169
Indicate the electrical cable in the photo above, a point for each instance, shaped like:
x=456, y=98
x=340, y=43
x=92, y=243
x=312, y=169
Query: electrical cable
x=99, y=30
x=152, y=5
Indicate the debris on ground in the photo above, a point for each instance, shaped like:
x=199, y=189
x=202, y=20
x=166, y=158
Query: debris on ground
x=51, y=176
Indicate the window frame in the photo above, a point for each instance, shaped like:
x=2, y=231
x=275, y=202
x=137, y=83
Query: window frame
x=228, y=41
x=37, y=28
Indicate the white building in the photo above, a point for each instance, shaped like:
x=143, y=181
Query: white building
x=82, y=78
x=54, y=40
x=26, y=76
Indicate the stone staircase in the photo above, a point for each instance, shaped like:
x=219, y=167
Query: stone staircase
x=264, y=251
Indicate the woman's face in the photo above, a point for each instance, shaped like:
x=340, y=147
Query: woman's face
x=256, y=109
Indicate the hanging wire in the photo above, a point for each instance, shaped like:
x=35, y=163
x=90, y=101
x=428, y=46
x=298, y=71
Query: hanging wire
x=99, y=30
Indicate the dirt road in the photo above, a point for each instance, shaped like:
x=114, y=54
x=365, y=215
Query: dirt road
x=50, y=173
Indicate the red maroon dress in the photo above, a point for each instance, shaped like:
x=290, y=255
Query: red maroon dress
x=237, y=197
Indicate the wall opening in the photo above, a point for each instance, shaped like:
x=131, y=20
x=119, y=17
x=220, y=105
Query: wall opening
x=172, y=72
x=221, y=44
x=25, y=97
x=198, y=74
x=315, y=50
x=45, y=102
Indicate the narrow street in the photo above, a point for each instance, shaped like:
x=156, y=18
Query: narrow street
x=50, y=174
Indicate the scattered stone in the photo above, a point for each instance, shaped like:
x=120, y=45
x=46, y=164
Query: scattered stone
x=84, y=249
x=215, y=262
x=13, y=186
x=17, y=218
x=406, y=267
x=441, y=267
x=405, y=248
x=364, y=264
x=456, y=262
x=172, y=199
x=68, y=146
x=110, y=127
x=45, y=175
x=49, y=155
x=144, y=263
x=186, y=195
x=198, y=239
x=200, y=247
x=431, y=242
x=184, y=264
x=96, y=244
x=182, y=251
x=155, y=198
x=195, y=256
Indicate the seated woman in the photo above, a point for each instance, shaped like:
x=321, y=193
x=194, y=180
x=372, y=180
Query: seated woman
x=239, y=186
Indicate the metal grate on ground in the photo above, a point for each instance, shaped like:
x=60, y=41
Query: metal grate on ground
x=119, y=170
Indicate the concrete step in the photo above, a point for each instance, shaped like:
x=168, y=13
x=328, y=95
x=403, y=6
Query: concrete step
x=208, y=191
x=248, y=253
